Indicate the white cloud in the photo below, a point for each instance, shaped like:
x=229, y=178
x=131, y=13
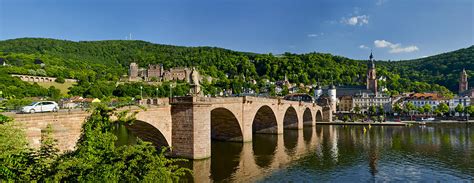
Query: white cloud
x=315, y=35
x=405, y=49
x=395, y=48
x=356, y=20
x=382, y=43
x=364, y=47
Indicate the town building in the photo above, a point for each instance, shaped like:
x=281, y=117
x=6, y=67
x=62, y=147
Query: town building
x=364, y=96
x=345, y=104
x=464, y=101
x=421, y=99
x=365, y=100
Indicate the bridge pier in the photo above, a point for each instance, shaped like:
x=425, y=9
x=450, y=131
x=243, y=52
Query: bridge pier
x=191, y=133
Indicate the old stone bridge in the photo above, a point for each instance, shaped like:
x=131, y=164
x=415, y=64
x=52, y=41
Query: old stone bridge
x=188, y=124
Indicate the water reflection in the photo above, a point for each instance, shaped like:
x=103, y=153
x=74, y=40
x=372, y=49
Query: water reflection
x=255, y=160
x=343, y=154
x=417, y=153
x=264, y=148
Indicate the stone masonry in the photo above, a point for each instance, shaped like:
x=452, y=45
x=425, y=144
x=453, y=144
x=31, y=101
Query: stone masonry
x=188, y=124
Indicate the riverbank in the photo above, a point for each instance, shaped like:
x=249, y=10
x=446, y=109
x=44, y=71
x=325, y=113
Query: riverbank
x=403, y=123
x=363, y=123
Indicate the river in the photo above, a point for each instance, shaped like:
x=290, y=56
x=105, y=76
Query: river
x=344, y=154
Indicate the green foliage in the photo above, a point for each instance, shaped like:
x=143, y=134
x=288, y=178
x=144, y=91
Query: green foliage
x=13, y=87
x=372, y=110
x=409, y=107
x=470, y=110
x=96, y=158
x=92, y=61
x=60, y=80
x=427, y=108
x=13, y=104
x=397, y=108
x=443, y=108
x=357, y=109
x=459, y=108
x=345, y=118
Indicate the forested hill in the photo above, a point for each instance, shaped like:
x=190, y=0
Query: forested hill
x=108, y=60
x=443, y=69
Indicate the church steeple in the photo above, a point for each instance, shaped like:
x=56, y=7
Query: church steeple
x=463, y=83
x=370, y=63
x=371, y=74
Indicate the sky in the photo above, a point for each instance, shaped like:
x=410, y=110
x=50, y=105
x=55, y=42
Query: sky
x=393, y=29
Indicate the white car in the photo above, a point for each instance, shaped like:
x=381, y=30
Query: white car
x=43, y=106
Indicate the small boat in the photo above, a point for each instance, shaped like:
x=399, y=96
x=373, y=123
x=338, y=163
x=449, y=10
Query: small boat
x=427, y=119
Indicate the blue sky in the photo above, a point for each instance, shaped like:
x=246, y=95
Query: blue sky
x=394, y=29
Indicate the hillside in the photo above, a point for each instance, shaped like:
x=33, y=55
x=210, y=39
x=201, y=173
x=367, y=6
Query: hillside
x=93, y=61
x=443, y=69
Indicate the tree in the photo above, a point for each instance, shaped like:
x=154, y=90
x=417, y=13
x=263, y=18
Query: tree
x=96, y=158
x=357, y=109
x=372, y=110
x=398, y=109
x=345, y=118
x=443, y=108
x=427, y=108
x=421, y=110
x=410, y=107
x=381, y=110
x=459, y=109
x=60, y=80
x=469, y=110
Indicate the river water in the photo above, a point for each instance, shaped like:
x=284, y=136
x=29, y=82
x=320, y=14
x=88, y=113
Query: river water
x=344, y=154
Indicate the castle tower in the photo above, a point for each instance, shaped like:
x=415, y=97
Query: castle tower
x=318, y=92
x=371, y=75
x=332, y=93
x=133, y=71
x=463, y=84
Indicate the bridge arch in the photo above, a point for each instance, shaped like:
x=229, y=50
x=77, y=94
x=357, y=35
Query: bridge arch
x=225, y=126
x=319, y=116
x=265, y=121
x=148, y=132
x=307, y=117
x=290, y=119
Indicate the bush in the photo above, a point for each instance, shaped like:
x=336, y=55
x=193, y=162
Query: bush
x=60, y=80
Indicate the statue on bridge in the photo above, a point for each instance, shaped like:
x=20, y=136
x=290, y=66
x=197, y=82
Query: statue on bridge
x=195, y=86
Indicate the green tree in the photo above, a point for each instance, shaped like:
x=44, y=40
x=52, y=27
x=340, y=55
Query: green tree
x=421, y=110
x=427, y=108
x=381, y=110
x=469, y=110
x=459, y=109
x=398, y=109
x=372, y=110
x=410, y=107
x=357, y=109
x=443, y=108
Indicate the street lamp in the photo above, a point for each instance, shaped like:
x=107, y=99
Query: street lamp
x=156, y=92
x=141, y=92
x=171, y=95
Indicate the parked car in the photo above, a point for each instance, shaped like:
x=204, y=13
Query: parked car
x=43, y=106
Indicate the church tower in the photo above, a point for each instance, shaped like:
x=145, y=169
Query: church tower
x=463, y=81
x=371, y=76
